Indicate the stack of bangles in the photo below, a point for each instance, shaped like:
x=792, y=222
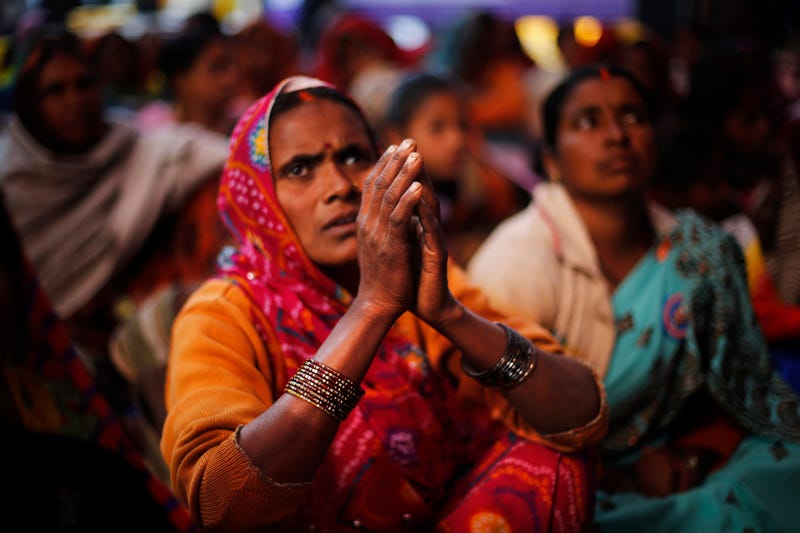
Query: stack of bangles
x=515, y=365
x=325, y=388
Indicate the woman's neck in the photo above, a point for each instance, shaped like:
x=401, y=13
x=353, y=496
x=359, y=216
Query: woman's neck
x=621, y=232
x=214, y=121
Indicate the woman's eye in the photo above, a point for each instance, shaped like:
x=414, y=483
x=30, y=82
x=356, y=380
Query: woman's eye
x=585, y=122
x=55, y=89
x=633, y=117
x=356, y=158
x=436, y=127
x=297, y=170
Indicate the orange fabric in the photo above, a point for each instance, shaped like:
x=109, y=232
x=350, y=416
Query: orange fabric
x=499, y=100
x=215, y=330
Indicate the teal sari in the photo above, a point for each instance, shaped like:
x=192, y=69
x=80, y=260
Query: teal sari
x=701, y=337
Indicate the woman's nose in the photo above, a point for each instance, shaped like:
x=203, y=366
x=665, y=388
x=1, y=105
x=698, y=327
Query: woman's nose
x=617, y=131
x=456, y=138
x=340, y=184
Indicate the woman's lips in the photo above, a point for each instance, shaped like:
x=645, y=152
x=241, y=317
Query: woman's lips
x=342, y=220
x=622, y=163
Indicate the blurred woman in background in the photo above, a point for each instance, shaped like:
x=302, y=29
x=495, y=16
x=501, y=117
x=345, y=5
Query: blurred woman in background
x=703, y=431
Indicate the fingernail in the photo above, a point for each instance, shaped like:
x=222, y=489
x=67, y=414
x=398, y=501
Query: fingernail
x=413, y=156
x=391, y=148
x=406, y=144
x=415, y=186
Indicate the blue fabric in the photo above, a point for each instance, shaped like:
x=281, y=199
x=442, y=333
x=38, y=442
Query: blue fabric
x=702, y=334
x=786, y=358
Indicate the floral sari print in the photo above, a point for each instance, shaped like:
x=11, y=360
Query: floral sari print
x=410, y=456
x=700, y=336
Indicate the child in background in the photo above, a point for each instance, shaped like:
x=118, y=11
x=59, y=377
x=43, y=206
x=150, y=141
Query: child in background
x=474, y=196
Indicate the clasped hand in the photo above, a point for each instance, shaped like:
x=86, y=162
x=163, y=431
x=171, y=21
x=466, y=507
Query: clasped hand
x=401, y=252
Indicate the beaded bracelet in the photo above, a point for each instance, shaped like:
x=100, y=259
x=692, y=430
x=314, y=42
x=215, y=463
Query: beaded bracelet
x=325, y=388
x=515, y=365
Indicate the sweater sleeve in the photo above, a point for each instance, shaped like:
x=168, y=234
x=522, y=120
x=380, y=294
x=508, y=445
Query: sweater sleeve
x=444, y=356
x=219, y=378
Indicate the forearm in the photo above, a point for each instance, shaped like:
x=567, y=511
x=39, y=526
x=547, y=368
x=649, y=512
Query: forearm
x=289, y=440
x=559, y=395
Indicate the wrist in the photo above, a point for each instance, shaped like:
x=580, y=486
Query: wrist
x=516, y=363
x=451, y=317
x=374, y=313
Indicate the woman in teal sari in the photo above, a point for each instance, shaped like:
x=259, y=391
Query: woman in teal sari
x=703, y=432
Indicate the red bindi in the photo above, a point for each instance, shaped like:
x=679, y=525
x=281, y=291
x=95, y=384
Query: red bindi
x=605, y=75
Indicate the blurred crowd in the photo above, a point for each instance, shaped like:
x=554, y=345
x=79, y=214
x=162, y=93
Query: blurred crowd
x=111, y=148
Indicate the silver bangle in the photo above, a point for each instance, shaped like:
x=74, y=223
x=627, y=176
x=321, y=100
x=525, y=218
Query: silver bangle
x=516, y=364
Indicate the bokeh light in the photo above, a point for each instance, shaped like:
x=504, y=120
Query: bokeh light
x=538, y=36
x=588, y=31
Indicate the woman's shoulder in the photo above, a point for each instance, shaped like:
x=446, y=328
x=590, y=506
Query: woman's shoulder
x=696, y=229
x=218, y=294
x=218, y=312
x=519, y=234
x=704, y=243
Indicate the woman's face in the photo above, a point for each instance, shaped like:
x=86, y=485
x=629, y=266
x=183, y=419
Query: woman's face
x=211, y=81
x=321, y=154
x=70, y=107
x=440, y=130
x=604, y=144
x=747, y=127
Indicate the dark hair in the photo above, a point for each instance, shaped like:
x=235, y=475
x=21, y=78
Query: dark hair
x=554, y=103
x=43, y=47
x=116, y=53
x=478, y=40
x=721, y=76
x=202, y=20
x=181, y=51
x=411, y=94
x=686, y=149
x=285, y=102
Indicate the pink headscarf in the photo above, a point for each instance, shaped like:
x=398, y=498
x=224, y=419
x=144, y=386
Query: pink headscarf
x=270, y=260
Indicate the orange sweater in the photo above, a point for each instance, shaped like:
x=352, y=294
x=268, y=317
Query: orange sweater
x=220, y=378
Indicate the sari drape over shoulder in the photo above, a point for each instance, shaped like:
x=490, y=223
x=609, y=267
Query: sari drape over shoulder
x=82, y=217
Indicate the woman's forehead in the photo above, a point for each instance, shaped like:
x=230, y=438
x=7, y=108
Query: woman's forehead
x=315, y=123
x=596, y=91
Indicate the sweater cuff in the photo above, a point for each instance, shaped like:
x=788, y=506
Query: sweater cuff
x=258, y=501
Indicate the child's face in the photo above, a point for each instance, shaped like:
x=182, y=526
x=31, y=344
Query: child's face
x=440, y=129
